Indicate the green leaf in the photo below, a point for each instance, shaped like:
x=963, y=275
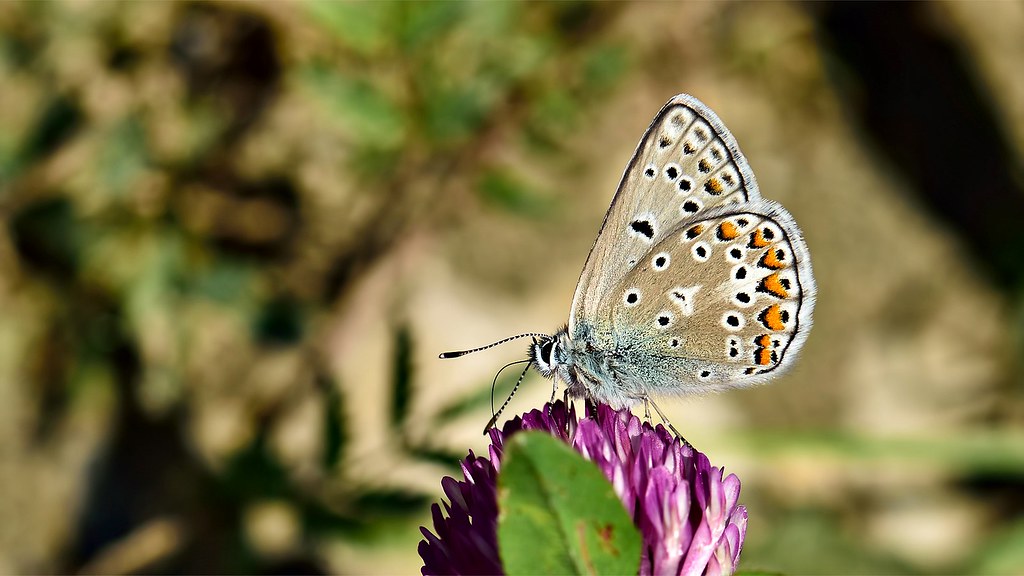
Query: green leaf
x=123, y=157
x=401, y=375
x=1003, y=553
x=335, y=432
x=511, y=194
x=603, y=67
x=279, y=322
x=454, y=114
x=426, y=22
x=558, y=514
x=368, y=112
x=48, y=235
x=363, y=26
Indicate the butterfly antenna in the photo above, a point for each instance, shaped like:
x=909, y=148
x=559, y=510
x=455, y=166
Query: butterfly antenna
x=456, y=354
x=494, y=418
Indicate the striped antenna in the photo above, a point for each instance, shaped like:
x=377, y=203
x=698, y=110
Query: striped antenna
x=446, y=355
x=494, y=419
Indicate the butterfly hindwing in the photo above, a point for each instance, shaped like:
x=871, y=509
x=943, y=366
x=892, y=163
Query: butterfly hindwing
x=686, y=163
x=724, y=299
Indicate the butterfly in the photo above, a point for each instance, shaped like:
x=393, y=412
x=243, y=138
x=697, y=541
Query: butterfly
x=694, y=284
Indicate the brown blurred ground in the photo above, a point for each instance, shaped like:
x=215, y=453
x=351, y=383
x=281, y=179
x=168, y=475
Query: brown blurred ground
x=236, y=236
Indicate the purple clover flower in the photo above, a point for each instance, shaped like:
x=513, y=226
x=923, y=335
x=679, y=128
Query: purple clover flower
x=687, y=513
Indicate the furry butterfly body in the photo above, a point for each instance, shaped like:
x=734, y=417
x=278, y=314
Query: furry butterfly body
x=694, y=284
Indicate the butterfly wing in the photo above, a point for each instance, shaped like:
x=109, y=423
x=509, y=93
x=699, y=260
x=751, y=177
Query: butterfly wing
x=725, y=299
x=686, y=163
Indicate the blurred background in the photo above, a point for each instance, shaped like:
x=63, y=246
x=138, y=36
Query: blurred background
x=236, y=236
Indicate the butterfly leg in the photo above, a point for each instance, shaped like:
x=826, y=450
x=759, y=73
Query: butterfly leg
x=661, y=415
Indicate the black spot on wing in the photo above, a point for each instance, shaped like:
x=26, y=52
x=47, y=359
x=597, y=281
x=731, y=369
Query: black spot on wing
x=643, y=227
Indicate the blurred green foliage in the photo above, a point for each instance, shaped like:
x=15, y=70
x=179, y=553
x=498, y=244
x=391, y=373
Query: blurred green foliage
x=190, y=188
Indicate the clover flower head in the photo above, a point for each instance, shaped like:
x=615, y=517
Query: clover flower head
x=687, y=512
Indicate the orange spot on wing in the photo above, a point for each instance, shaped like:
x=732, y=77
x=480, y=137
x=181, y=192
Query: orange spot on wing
x=763, y=356
x=764, y=341
x=771, y=259
x=772, y=284
x=771, y=317
x=757, y=239
x=713, y=187
x=727, y=231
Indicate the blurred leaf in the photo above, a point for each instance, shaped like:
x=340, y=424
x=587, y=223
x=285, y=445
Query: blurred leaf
x=255, y=473
x=122, y=157
x=401, y=375
x=426, y=22
x=559, y=514
x=976, y=451
x=279, y=322
x=504, y=191
x=454, y=114
x=604, y=65
x=554, y=114
x=363, y=26
x=320, y=520
x=440, y=456
x=49, y=237
x=335, y=433
x=226, y=280
x=375, y=165
x=57, y=123
x=469, y=403
x=480, y=398
x=369, y=113
x=378, y=503
x=1002, y=554
x=811, y=541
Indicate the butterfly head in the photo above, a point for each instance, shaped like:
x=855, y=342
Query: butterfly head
x=550, y=354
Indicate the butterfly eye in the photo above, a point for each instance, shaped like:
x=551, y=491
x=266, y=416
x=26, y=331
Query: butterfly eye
x=546, y=350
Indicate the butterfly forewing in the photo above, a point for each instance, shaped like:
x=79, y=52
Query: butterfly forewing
x=724, y=299
x=686, y=164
